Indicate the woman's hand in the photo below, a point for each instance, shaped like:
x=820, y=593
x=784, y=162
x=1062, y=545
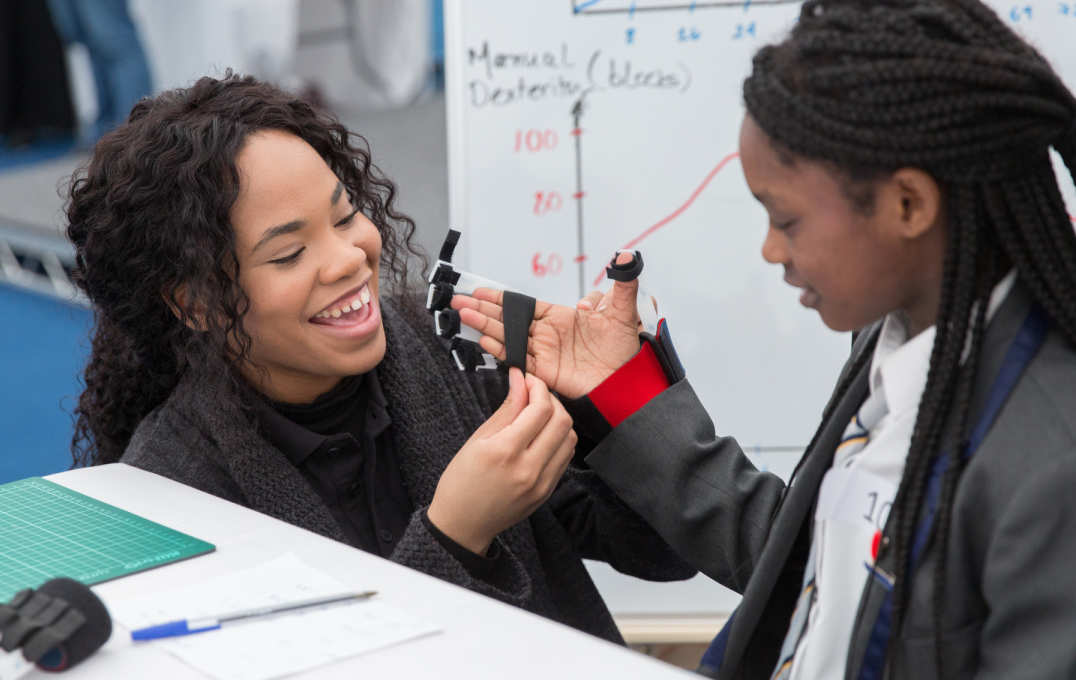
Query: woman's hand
x=572, y=350
x=509, y=466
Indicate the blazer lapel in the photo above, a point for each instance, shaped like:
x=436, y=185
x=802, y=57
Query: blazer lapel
x=793, y=513
x=1000, y=333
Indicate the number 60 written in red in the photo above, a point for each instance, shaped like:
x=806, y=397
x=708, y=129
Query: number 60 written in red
x=549, y=265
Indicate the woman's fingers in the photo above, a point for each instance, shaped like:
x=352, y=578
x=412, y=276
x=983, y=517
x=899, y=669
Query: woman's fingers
x=533, y=419
x=558, y=463
x=511, y=407
x=550, y=439
x=551, y=450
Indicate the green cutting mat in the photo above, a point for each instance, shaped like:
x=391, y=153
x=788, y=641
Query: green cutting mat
x=47, y=530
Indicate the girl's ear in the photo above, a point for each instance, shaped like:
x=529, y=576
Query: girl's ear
x=920, y=197
x=192, y=315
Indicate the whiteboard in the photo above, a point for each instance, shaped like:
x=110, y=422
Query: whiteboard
x=578, y=127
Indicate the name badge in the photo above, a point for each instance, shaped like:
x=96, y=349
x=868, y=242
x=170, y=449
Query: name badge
x=855, y=497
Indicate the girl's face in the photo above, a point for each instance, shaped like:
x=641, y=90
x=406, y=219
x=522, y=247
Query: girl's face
x=853, y=267
x=308, y=262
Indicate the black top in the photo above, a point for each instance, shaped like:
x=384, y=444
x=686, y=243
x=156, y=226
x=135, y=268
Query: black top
x=342, y=445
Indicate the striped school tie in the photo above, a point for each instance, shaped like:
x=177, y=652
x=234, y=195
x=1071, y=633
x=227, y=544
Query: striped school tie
x=855, y=437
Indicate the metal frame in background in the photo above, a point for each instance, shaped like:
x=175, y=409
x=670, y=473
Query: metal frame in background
x=38, y=259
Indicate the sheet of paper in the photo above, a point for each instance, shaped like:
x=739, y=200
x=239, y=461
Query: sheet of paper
x=279, y=645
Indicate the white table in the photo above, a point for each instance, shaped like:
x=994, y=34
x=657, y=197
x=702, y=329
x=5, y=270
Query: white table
x=480, y=638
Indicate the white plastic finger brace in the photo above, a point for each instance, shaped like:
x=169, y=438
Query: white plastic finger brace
x=445, y=281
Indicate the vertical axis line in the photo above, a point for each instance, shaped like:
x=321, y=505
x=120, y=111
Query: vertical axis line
x=577, y=132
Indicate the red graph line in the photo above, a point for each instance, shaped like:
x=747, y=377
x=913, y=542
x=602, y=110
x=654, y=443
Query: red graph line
x=676, y=213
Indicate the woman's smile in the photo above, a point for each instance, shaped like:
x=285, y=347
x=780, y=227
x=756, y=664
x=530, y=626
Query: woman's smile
x=355, y=315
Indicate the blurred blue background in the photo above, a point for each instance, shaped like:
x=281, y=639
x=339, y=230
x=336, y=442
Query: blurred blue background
x=43, y=346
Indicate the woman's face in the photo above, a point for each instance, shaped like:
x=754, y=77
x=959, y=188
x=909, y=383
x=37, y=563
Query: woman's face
x=308, y=262
x=853, y=267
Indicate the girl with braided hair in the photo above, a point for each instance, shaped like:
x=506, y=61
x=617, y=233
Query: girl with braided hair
x=901, y=149
x=234, y=243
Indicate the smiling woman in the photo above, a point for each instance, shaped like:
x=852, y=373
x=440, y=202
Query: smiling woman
x=234, y=243
x=312, y=279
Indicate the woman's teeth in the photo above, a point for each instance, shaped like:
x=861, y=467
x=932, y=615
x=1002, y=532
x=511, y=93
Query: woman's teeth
x=353, y=305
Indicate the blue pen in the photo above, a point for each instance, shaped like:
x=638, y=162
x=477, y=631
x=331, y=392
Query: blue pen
x=189, y=626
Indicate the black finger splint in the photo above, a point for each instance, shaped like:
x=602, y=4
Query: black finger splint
x=448, y=248
x=447, y=280
x=629, y=271
x=445, y=275
x=470, y=357
x=446, y=323
x=518, y=314
x=439, y=296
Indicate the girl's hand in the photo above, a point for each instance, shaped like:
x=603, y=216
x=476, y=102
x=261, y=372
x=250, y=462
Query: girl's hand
x=572, y=350
x=509, y=466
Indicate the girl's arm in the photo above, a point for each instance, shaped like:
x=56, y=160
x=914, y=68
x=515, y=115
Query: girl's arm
x=698, y=490
x=602, y=527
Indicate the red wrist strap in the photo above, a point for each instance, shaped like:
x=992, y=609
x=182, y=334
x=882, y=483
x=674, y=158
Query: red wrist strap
x=631, y=387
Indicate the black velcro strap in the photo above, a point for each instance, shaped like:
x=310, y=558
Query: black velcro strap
x=449, y=246
x=447, y=322
x=467, y=355
x=439, y=297
x=445, y=274
x=629, y=271
x=518, y=314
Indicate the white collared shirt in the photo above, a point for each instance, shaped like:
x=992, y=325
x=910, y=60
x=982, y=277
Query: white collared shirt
x=858, y=491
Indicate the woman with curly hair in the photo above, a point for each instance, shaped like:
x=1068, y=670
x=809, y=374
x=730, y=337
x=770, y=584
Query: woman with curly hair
x=233, y=242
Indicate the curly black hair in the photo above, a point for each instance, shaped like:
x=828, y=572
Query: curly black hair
x=868, y=87
x=149, y=219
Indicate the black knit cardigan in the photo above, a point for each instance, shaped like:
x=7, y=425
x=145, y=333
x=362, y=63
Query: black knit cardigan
x=195, y=439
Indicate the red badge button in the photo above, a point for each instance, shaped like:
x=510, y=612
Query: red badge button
x=875, y=542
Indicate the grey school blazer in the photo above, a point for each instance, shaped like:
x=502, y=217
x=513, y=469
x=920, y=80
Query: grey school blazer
x=1009, y=606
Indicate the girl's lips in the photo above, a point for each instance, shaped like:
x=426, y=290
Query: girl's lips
x=354, y=324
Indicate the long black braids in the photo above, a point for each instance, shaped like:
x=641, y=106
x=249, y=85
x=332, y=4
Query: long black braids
x=871, y=86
